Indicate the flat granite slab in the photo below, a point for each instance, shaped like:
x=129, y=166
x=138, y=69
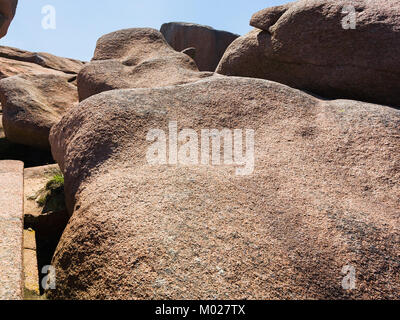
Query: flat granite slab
x=30, y=265
x=11, y=229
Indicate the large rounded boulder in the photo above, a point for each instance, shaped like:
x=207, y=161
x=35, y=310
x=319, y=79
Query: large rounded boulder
x=320, y=197
x=33, y=103
x=337, y=49
x=135, y=58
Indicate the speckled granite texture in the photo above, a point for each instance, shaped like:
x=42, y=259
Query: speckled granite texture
x=11, y=230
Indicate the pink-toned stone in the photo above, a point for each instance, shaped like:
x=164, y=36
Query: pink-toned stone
x=304, y=45
x=33, y=103
x=7, y=13
x=325, y=193
x=11, y=230
x=267, y=17
x=43, y=59
x=11, y=67
x=135, y=58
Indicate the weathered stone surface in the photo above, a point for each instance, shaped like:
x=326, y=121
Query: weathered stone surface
x=268, y=17
x=32, y=104
x=135, y=58
x=35, y=179
x=48, y=221
x=11, y=228
x=307, y=48
x=210, y=44
x=43, y=59
x=7, y=13
x=324, y=194
x=10, y=67
x=45, y=214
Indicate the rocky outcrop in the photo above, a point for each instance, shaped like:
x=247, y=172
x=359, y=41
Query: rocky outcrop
x=35, y=90
x=268, y=17
x=32, y=104
x=7, y=13
x=324, y=194
x=305, y=45
x=210, y=44
x=31, y=111
x=10, y=67
x=43, y=59
x=135, y=58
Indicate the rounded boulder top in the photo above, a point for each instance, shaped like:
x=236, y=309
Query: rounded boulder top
x=7, y=13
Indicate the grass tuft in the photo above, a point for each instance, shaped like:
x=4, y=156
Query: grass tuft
x=56, y=182
x=51, y=197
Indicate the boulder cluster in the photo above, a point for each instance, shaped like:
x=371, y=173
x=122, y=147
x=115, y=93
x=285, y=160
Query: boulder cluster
x=304, y=45
x=324, y=194
x=36, y=89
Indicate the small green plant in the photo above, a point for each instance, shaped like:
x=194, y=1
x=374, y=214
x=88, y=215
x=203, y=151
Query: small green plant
x=56, y=182
x=51, y=197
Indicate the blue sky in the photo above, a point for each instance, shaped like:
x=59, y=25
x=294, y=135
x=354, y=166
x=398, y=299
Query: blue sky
x=79, y=23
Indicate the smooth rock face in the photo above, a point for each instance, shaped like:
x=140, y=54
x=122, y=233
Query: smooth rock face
x=135, y=58
x=11, y=230
x=7, y=13
x=307, y=48
x=32, y=104
x=46, y=60
x=324, y=194
x=210, y=44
